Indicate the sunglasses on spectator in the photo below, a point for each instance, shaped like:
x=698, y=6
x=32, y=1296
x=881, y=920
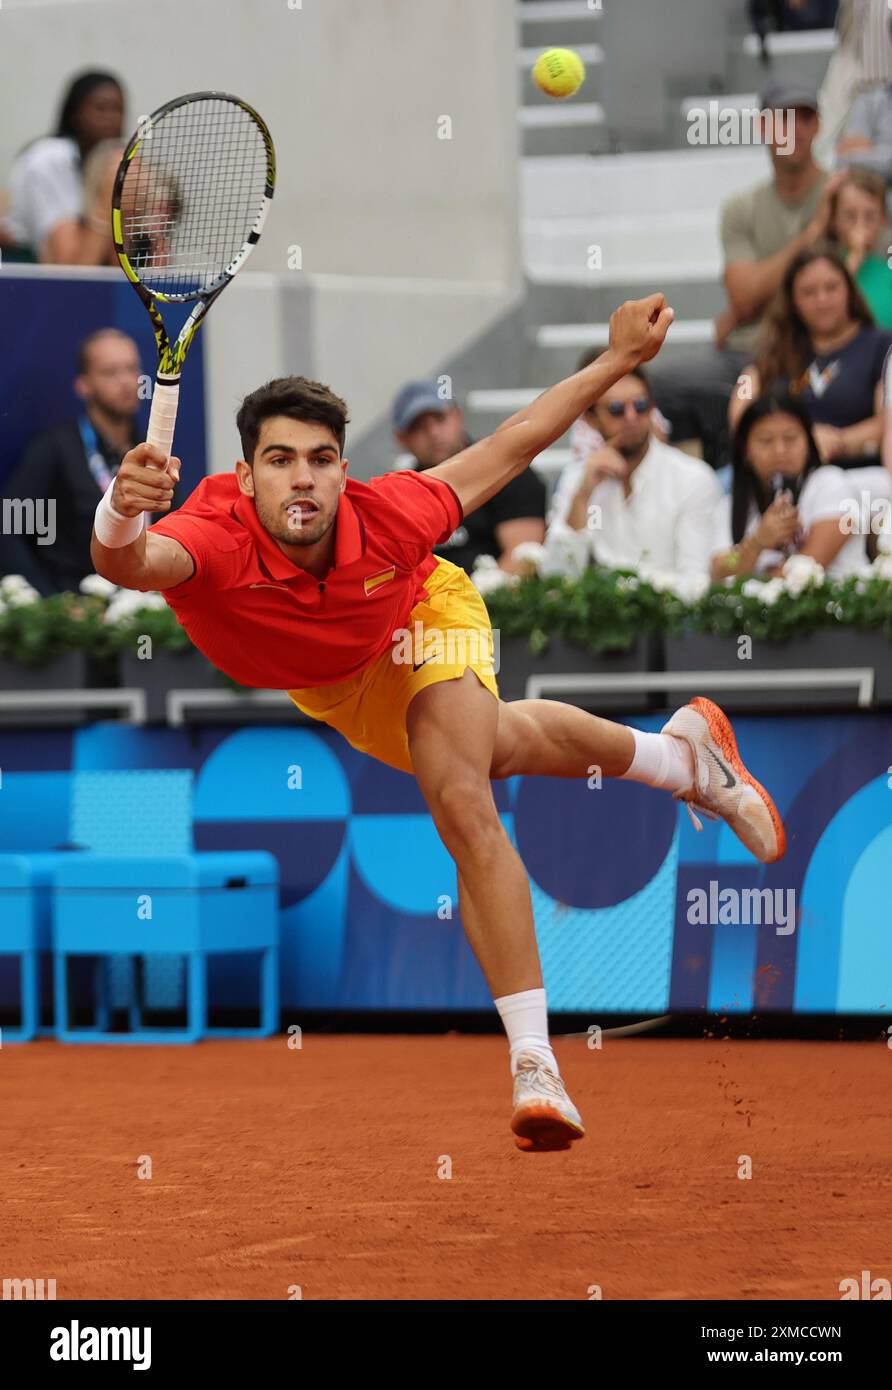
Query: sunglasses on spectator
x=617, y=408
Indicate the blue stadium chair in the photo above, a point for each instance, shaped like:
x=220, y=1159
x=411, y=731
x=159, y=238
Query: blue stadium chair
x=25, y=883
x=140, y=893
x=34, y=819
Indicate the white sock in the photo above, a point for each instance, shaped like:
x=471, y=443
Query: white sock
x=661, y=760
x=525, y=1016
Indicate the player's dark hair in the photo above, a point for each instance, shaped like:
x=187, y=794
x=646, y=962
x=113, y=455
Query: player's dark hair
x=592, y=354
x=746, y=489
x=297, y=398
x=77, y=93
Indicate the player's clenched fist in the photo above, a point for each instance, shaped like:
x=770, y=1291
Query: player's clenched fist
x=143, y=483
x=638, y=328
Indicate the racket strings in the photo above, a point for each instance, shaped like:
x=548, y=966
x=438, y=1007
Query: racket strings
x=192, y=194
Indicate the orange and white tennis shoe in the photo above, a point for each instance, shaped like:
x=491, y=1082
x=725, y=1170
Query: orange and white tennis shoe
x=722, y=788
x=544, y=1115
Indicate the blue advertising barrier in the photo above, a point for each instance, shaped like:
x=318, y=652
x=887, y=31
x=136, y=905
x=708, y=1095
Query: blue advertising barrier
x=634, y=910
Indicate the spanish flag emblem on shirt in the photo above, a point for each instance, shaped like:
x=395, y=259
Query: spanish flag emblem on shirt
x=374, y=581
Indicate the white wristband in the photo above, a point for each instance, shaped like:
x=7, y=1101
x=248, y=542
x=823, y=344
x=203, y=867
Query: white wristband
x=112, y=529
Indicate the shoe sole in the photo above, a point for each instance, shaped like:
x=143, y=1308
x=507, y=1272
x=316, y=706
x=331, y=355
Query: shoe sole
x=722, y=733
x=540, y=1128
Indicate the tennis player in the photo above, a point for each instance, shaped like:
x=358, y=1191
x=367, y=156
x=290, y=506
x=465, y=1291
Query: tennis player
x=290, y=575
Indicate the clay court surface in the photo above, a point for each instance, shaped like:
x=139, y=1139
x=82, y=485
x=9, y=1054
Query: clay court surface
x=318, y=1167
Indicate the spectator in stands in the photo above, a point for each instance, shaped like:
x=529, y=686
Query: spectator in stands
x=822, y=346
x=867, y=138
x=432, y=429
x=74, y=463
x=859, y=224
x=762, y=230
x=50, y=218
x=784, y=501
x=861, y=61
x=633, y=502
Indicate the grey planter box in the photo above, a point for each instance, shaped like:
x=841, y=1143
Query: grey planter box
x=69, y=671
x=824, y=651
x=517, y=663
x=167, y=670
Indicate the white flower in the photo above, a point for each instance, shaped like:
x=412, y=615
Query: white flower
x=661, y=580
x=486, y=578
x=692, y=587
x=771, y=591
x=753, y=588
x=127, y=602
x=688, y=587
x=529, y=553
x=882, y=567
x=11, y=583
x=799, y=572
x=20, y=595
x=97, y=587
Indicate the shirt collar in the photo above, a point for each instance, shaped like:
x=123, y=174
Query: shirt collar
x=349, y=537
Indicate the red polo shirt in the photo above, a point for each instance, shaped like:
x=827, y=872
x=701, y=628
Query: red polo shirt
x=267, y=623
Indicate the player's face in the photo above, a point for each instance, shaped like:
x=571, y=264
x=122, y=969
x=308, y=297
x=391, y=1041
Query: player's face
x=620, y=417
x=297, y=477
x=821, y=297
x=777, y=444
x=435, y=436
x=111, y=380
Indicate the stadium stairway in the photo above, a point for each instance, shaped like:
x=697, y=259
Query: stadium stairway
x=603, y=222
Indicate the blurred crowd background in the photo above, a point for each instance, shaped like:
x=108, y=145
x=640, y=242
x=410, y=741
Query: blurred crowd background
x=443, y=248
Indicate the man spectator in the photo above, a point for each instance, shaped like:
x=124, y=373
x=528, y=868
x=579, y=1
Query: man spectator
x=432, y=430
x=72, y=464
x=762, y=230
x=633, y=502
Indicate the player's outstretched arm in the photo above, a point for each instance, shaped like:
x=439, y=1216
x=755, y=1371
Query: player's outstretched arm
x=637, y=332
x=121, y=549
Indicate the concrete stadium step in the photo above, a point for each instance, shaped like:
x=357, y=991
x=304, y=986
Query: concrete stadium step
x=583, y=335
x=558, y=23
x=562, y=128
x=617, y=249
x=806, y=54
x=593, y=301
x=637, y=184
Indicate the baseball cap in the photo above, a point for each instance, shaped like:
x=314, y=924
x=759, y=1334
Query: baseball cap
x=781, y=93
x=414, y=399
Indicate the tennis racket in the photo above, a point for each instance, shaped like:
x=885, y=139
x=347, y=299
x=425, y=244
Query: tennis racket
x=190, y=199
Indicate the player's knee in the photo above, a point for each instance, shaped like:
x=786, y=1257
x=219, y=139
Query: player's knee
x=464, y=809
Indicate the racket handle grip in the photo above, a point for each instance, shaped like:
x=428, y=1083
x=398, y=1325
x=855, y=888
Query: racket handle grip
x=163, y=415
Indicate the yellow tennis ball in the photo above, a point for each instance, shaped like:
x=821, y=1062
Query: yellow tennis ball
x=559, y=72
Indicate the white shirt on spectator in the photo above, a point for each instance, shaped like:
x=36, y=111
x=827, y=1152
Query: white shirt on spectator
x=828, y=494
x=666, y=524
x=44, y=189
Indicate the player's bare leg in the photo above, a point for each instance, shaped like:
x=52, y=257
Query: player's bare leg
x=452, y=731
x=695, y=757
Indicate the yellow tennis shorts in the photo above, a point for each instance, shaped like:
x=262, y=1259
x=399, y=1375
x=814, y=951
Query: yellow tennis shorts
x=446, y=633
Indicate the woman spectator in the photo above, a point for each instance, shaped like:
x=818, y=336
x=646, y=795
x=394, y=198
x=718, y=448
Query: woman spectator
x=49, y=218
x=822, y=346
x=784, y=501
x=858, y=225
